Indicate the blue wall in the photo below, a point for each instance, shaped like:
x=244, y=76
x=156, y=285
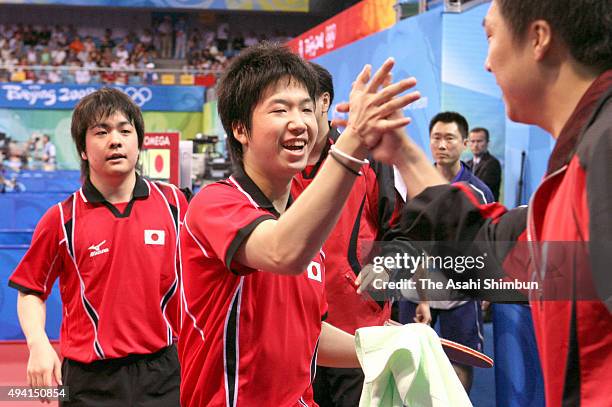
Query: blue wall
x=19, y=214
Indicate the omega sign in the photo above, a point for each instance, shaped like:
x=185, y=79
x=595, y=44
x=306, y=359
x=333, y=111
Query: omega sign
x=157, y=141
x=159, y=156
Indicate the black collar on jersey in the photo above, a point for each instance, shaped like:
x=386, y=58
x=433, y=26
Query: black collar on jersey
x=141, y=190
x=251, y=188
x=332, y=137
x=583, y=115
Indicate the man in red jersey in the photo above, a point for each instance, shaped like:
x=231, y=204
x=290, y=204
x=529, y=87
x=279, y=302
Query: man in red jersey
x=370, y=209
x=253, y=270
x=552, y=60
x=113, y=245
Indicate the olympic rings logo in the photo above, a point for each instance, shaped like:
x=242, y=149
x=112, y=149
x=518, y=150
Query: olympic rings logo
x=140, y=96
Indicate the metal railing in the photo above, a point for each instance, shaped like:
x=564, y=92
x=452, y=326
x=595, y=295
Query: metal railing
x=8, y=71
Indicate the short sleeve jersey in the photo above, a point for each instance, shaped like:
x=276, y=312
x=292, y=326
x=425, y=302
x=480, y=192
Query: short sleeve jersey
x=249, y=337
x=118, y=270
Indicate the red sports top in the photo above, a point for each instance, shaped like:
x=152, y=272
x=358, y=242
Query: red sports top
x=118, y=270
x=249, y=337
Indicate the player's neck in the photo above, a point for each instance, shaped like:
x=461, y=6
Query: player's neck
x=449, y=171
x=561, y=100
x=114, y=189
x=275, y=189
x=315, y=154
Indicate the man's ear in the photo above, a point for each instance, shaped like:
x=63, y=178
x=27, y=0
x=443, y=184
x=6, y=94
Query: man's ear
x=540, y=38
x=240, y=133
x=325, y=102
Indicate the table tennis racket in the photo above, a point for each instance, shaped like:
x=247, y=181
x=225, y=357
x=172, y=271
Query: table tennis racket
x=465, y=355
x=459, y=353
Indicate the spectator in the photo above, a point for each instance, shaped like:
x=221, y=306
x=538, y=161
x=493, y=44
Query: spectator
x=146, y=38
x=90, y=62
x=121, y=53
x=180, y=38
x=484, y=165
x=45, y=56
x=48, y=153
x=58, y=36
x=149, y=77
x=82, y=75
x=32, y=56
x=222, y=36
x=89, y=44
x=6, y=52
x=107, y=41
x=58, y=56
x=165, y=37
x=76, y=45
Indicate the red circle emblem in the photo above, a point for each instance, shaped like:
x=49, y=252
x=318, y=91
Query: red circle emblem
x=159, y=163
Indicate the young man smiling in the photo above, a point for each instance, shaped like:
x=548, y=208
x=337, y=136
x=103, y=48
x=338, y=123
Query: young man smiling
x=113, y=245
x=253, y=271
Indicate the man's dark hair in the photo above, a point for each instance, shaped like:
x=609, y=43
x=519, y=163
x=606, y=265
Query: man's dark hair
x=481, y=130
x=585, y=26
x=247, y=77
x=325, y=81
x=451, y=117
x=98, y=106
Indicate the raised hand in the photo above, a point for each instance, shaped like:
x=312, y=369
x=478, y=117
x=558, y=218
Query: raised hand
x=372, y=104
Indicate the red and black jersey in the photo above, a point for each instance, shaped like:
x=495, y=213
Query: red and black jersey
x=118, y=270
x=562, y=242
x=249, y=337
x=370, y=209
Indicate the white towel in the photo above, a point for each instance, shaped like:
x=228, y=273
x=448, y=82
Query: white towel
x=406, y=366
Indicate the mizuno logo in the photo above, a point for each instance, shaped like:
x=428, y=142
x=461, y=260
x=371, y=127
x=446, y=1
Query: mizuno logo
x=96, y=249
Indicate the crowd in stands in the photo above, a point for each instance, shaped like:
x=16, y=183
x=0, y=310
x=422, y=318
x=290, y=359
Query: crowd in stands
x=63, y=54
x=38, y=152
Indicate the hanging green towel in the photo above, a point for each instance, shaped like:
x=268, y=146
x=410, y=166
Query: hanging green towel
x=406, y=366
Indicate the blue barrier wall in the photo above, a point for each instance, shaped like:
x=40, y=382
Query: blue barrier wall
x=9, y=323
x=20, y=212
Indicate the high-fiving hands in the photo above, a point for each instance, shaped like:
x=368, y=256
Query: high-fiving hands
x=374, y=108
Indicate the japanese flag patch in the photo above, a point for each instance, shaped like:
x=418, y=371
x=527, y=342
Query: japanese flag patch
x=155, y=237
